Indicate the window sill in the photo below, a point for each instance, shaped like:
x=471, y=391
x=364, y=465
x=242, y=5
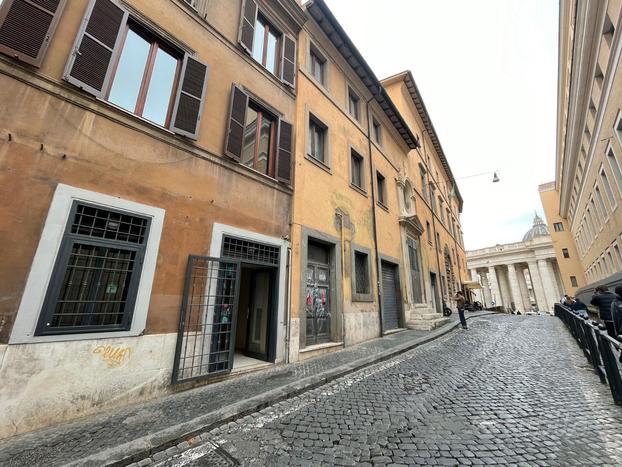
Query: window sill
x=318, y=163
x=358, y=189
x=382, y=205
x=327, y=345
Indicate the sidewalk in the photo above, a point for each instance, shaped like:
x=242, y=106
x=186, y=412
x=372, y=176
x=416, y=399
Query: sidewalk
x=134, y=432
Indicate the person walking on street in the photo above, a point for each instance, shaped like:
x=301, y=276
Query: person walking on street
x=603, y=300
x=616, y=311
x=459, y=298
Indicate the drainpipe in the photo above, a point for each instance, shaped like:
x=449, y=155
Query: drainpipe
x=343, y=280
x=288, y=304
x=373, y=211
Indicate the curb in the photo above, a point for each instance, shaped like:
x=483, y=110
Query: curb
x=180, y=436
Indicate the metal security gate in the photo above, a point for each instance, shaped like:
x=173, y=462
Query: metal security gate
x=206, y=338
x=391, y=302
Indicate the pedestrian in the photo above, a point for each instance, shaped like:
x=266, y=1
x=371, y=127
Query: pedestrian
x=616, y=311
x=603, y=299
x=459, y=298
x=578, y=307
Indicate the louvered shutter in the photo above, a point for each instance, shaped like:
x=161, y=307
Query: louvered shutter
x=237, y=117
x=26, y=27
x=90, y=65
x=288, y=64
x=247, y=25
x=190, y=98
x=284, y=153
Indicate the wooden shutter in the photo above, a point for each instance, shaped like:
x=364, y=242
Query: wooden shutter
x=237, y=117
x=288, y=63
x=190, y=98
x=248, y=17
x=26, y=27
x=284, y=153
x=90, y=64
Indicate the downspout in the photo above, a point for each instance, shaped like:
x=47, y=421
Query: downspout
x=373, y=211
x=288, y=304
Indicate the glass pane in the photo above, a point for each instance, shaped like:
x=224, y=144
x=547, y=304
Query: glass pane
x=260, y=31
x=250, y=134
x=264, y=145
x=160, y=88
x=356, y=171
x=130, y=71
x=271, y=58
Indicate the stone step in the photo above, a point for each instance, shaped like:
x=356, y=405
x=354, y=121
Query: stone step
x=424, y=316
x=427, y=325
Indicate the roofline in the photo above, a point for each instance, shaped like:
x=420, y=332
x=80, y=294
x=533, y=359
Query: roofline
x=407, y=77
x=321, y=14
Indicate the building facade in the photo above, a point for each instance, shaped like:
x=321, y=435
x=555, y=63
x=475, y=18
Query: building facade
x=516, y=276
x=588, y=177
x=201, y=188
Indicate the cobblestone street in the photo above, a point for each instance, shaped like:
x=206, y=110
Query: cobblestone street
x=510, y=390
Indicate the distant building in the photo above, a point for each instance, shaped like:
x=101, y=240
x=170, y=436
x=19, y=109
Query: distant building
x=516, y=275
x=588, y=176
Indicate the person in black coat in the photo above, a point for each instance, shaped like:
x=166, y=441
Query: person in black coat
x=603, y=300
x=616, y=311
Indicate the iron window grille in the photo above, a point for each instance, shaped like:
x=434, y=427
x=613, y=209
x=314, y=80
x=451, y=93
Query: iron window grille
x=238, y=248
x=95, y=279
x=361, y=273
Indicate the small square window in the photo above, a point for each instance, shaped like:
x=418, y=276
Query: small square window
x=558, y=226
x=565, y=253
x=356, y=168
x=377, y=131
x=573, y=281
x=317, y=139
x=361, y=273
x=354, y=104
x=317, y=66
x=382, y=189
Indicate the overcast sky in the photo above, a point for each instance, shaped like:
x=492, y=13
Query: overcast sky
x=487, y=70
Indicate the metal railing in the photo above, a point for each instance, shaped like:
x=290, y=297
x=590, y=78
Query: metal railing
x=603, y=352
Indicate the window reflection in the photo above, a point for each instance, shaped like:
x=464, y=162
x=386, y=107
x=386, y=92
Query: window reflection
x=266, y=45
x=250, y=138
x=258, y=134
x=130, y=71
x=160, y=87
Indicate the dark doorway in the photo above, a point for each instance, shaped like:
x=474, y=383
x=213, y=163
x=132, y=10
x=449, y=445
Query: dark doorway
x=391, y=297
x=436, y=302
x=255, y=337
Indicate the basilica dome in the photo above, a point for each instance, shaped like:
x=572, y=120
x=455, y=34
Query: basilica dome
x=539, y=229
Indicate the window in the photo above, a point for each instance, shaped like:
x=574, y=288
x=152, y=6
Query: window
x=259, y=137
x=140, y=72
x=428, y=232
x=565, y=253
x=356, y=168
x=424, y=183
x=144, y=76
x=354, y=104
x=573, y=281
x=95, y=279
x=382, y=189
x=267, y=45
x=361, y=276
x=317, y=65
x=608, y=29
x=615, y=168
x=377, y=131
x=558, y=227
x=438, y=242
x=317, y=139
x=605, y=180
x=618, y=254
x=601, y=201
x=433, y=198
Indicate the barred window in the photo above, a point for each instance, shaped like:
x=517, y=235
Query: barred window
x=361, y=272
x=251, y=251
x=95, y=279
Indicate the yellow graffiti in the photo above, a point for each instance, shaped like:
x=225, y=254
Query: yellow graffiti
x=113, y=356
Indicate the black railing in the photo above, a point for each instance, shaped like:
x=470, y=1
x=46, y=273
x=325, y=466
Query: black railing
x=602, y=351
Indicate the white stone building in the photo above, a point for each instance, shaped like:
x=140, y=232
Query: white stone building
x=517, y=275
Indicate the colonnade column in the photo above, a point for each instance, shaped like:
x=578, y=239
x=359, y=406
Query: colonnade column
x=474, y=274
x=516, y=293
x=536, y=283
x=494, y=286
x=547, y=282
x=485, y=290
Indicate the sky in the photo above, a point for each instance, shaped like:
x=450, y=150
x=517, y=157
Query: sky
x=487, y=71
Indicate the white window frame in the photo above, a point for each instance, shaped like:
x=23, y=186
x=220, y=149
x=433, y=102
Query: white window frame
x=38, y=281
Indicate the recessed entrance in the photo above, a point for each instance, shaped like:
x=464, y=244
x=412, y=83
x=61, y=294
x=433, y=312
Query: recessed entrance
x=254, y=335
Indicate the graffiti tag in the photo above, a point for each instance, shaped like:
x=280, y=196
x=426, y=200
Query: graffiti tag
x=113, y=356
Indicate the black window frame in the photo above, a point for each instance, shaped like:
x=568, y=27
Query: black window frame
x=565, y=253
x=573, y=281
x=381, y=189
x=558, y=226
x=61, y=264
x=377, y=131
x=354, y=104
x=357, y=160
x=316, y=57
x=365, y=296
x=314, y=122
